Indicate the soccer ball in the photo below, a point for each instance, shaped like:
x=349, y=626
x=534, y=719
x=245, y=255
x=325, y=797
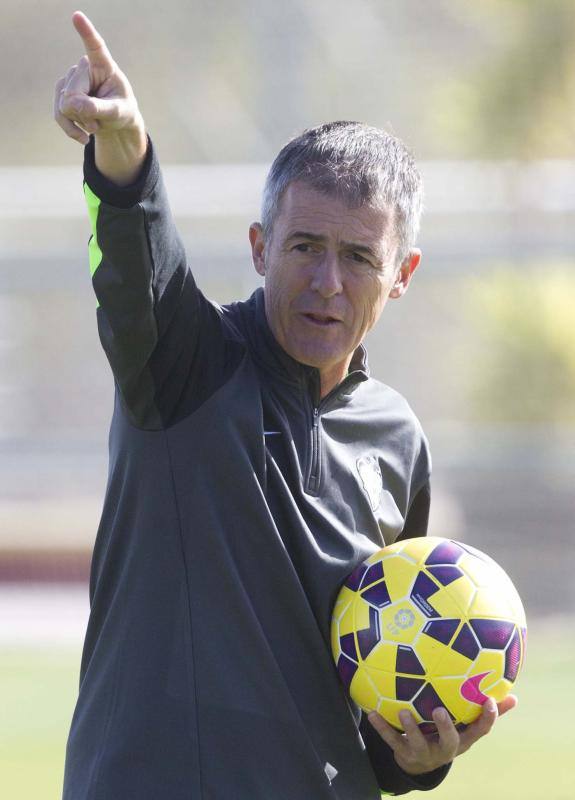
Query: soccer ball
x=425, y=623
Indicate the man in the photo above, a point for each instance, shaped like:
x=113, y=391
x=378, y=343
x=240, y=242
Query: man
x=253, y=464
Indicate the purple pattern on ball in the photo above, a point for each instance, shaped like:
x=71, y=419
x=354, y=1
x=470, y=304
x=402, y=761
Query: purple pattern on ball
x=466, y=643
x=426, y=701
x=513, y=657
x=445, y=574
x=492, y=633
x=347, y=644
x=442, y=630
x=353, y=581
x=377, y=595
x=373, y=574
x=369, y=637
x=423, y=588
x=346, y=670
x=407, y=662
x=406, y=688
x=427, y=727
x=448, y=552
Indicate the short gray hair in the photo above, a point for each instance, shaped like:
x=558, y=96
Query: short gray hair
x=354, y=162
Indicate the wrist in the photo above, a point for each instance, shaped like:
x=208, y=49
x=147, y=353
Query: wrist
x=129, y=130
x=113, y=194
x=120, y=153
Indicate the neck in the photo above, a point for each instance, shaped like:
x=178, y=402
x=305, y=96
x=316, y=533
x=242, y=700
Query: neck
x=333, y=376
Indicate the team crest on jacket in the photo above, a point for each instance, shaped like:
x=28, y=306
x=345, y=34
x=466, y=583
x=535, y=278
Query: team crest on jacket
x=370, y=474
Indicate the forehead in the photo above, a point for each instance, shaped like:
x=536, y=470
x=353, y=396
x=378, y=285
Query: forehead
x=303, y=208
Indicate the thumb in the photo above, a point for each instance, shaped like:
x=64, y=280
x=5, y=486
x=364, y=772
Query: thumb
x=95, y=108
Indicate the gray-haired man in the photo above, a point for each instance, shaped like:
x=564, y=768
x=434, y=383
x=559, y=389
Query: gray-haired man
x=253, y=464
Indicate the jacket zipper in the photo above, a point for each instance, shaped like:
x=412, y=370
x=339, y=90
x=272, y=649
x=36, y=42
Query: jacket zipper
x=313, y=480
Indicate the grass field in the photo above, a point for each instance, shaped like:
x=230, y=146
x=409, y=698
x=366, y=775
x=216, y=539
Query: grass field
x=529, y=756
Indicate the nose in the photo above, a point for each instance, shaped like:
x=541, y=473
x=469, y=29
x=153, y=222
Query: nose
x=326, y=276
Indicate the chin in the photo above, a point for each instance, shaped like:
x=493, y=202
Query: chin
x=313, y=352
x=313, y=358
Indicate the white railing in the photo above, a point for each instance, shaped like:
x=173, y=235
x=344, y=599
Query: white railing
x=233, y=190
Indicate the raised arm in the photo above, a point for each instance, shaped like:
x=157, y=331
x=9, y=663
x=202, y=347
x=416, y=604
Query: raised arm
x=165, y=342
x=95, y=97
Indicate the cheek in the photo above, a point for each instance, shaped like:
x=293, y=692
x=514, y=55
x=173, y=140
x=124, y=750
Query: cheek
x=276, y=286
x=279, y=292
x=283, y=283
x=372, y=296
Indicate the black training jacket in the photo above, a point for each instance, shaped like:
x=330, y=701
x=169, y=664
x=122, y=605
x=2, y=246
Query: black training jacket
x=237, y=503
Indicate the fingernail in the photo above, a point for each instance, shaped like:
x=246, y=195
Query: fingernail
x=441, y=714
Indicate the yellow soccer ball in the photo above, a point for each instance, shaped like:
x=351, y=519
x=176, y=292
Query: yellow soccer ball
x=425, y=623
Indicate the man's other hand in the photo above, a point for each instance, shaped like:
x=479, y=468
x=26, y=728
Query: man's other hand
x=417, y=753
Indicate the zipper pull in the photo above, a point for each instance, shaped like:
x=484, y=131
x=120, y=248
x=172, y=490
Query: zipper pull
x=315, y=417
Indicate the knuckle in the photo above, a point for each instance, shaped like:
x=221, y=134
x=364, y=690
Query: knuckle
x=64, y=109
x=452, y=751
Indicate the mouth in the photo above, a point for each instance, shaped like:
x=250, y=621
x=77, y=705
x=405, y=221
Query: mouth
x=321, y=320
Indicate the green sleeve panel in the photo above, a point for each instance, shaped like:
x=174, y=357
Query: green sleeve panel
x=94, y=252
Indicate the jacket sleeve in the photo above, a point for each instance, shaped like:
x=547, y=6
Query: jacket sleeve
x=167, y=345
x=391, y=778
x=417, y=518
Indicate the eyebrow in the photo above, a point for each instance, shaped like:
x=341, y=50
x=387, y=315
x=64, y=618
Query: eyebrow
x=320, y=239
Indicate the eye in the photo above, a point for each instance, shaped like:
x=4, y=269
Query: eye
x=357, y=258
x=306, y=248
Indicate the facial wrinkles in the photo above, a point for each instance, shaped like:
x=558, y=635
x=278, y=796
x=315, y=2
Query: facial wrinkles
x=294, y=279
x=338, y=237
x=338, y=232
x=362, y=281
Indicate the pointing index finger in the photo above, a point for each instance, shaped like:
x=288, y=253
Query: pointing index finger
x=95, y=46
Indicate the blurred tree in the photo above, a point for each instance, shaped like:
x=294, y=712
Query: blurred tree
x=524, y=370
x=520, y=102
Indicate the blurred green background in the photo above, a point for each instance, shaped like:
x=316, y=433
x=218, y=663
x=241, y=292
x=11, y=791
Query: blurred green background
x=483, y=345
x=528, y=756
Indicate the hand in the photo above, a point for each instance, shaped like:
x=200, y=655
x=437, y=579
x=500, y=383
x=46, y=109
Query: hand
x=417, y=753
x=94, y=96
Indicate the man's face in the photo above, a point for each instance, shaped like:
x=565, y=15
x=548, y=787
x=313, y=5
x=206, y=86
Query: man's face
x=329, y=270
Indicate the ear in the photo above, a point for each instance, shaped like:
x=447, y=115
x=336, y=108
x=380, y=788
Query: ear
x=408, y=266
x=256, y=235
